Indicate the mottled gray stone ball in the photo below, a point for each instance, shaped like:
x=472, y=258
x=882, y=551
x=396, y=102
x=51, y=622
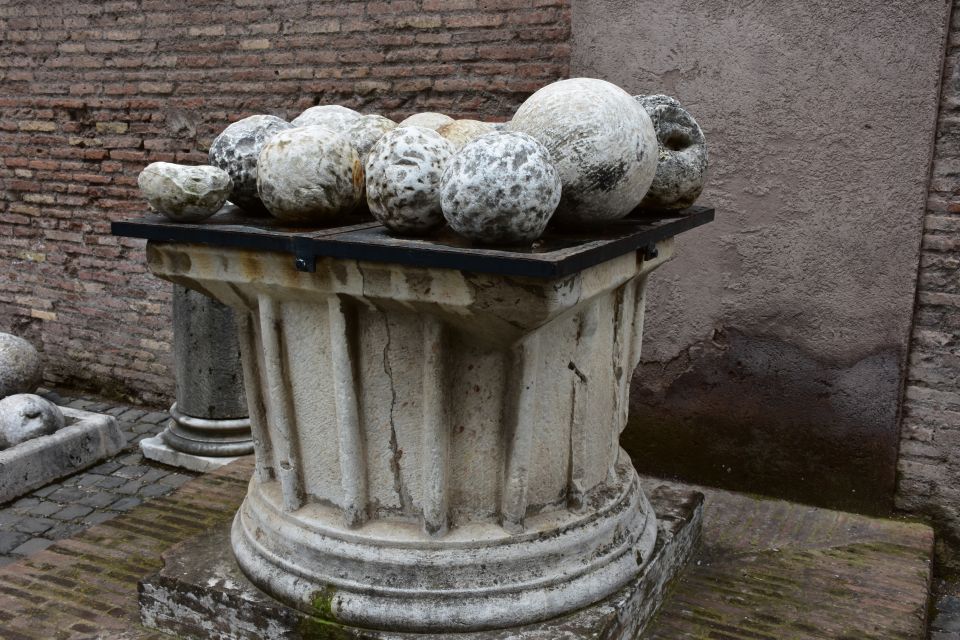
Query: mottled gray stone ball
x=236, y=151
x=309, y=174
x=460, y=132
x=500, y=188
x=25, y=416
x=21, y=369
x=601, y=141
x=403, y=179
x=427, y=120
x=682, y=169
x=365, y=131
x=332, y=116
x=183, y=193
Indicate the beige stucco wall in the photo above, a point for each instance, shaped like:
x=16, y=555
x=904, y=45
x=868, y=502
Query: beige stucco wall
x=776, y=340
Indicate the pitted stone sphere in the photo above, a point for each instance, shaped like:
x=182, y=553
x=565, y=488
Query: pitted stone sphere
x=501, y=188
x=183, y=193
x=403, y=179
x=601, y=141
x=364, y=132
x=236, y=151
x=21, y=369
x=427, y=120
x=309, y=174
x=460, y=132
x=682, y=169
x=332, y=116
x=25, y=416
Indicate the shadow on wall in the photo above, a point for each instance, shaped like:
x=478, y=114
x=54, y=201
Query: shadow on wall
x=757, y=414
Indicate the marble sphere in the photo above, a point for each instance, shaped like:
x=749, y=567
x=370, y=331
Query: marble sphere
x=21, y=369
x=236, y=151
x=332, y=116
x=25, y=416
x=427, y=119
x=184, y=193
x=460, y=132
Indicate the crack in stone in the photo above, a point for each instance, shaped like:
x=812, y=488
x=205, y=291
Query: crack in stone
x=395, y=450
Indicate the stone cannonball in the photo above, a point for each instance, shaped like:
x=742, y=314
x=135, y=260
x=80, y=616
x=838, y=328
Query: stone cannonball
x=501, y=188
x=25, y=416
x=21, y=369
x=460, y=132
x=182, y=193
x=602, y=142
x=403, y=179
x=364, y=132
x=309, y=174
x=332, y=116
x=236, y=151
x=682, y=169
x=427, y=120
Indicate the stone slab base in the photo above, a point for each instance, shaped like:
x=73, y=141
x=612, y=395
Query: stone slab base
x=159, y=451
x=87, y=439
x=201, y=593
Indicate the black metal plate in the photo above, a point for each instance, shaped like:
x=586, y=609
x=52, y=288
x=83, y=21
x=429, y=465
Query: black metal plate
x=558, y=253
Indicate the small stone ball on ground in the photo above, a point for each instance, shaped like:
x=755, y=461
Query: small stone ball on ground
x=682, y=169
x=403, y=179
x=183, y=193
x=309, y=175
x=25, y=416
x=21, y=369
x=236, y=151
x=460, y=132
x=501, y=188
x=364, y=132
x=332, y=116
x=427, y=120
x=601, y=141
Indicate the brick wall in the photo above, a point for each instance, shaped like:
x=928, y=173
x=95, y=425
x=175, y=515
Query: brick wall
x=929, y=465
x=94, y=91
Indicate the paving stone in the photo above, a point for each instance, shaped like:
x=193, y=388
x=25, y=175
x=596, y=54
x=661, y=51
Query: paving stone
x=99, y=500
x=130, y=487
x=156, y=417
x=44, y=509
x=26, y=502
x=9, y=517
x=131, y=415
x=65, y=495
x=32, y=546
x=105, y=468
x=145, y=427
x=64, y=530
x=125, y=504
x=43, y=492
x=5, y=560
x=10, y=540
x=131, y=458
x=112, y=482
x=34, y=526
x=98, y=517
x=72, y=512
x=175, y=479
x=154, y=475
x=133, y=471
x=155, y=490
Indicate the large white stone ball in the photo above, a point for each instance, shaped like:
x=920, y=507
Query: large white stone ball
x=184, y=193
x=602, y=143
x=309, y=174
x=460, y=132
x=236, y=151
x=332, y=116
x=500, y=188
x=366, y=131
x=25, y=416
x=403, y=179
x=682, y=169
x=427, y=119
x=21, y=369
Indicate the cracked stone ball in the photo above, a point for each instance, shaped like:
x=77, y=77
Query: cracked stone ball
x=427, y=120
x=403, y=179
x=21, y=369
x=601, y=141
x=309, y=175
x=501, y=188
x=332, y=116
x=460, y=132
x=183, y=193
x=366, y=131
x=236, y=151
x=25, y=416
x=682, y=169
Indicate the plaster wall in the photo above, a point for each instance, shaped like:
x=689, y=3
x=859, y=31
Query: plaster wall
x=777, y=339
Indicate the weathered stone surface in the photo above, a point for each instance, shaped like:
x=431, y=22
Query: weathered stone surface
x=682, y=166
x=202, y=593
x=236, y=151
x=309, y=174
x=87, y=439
x=403, y=175
x=331, y=116
x=364, y=133
x=501, y=188
x=24, y=416
x=460, y=132
x=21, y=369
x=184, y=193
x=602, y=142
x=427, y=120
x=157, y=449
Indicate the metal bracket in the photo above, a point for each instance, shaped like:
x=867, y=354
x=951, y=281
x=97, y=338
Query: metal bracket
x=650, y=251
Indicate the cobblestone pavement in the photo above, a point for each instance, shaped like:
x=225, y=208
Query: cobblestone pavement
x=61, y=509
x=945, y=616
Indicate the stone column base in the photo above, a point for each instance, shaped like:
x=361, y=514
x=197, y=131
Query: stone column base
x=159, y=451
x=201, y=592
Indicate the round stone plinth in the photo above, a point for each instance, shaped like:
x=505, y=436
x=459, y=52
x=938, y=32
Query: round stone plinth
x=204, y=437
